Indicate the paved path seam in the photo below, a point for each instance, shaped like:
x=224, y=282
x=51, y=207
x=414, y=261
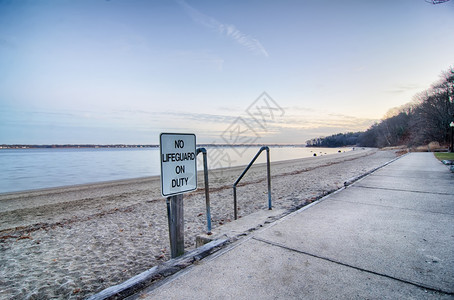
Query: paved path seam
x=417, y=284
x=402, y=190
x=394, y=207
x=408, y=177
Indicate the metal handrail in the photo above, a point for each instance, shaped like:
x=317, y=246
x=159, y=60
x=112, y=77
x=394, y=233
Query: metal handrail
x=244, y=172
x=207, y=192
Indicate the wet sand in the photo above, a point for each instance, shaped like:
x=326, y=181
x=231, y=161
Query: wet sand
x=72, y=242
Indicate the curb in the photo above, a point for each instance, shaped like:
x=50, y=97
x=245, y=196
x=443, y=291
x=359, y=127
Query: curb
x=144, y=279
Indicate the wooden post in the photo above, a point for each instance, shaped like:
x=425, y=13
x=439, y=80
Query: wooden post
x=176, y=225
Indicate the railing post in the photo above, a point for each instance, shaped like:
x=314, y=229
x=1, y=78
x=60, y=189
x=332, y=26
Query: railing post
x=207, y=191
x=269, y=176
x=235, y=213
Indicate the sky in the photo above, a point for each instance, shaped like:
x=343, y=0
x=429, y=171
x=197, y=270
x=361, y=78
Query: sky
x=123, y=71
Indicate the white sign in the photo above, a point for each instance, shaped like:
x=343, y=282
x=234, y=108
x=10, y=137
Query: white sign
x=178, y=163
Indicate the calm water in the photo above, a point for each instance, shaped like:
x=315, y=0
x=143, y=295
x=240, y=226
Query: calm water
x=26, y=169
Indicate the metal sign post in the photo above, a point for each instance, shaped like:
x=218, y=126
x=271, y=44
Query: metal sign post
x=178, y=175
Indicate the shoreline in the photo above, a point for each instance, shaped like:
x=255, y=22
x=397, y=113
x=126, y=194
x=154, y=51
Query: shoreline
x=156, y=177
x=71, y=242
x=20, y=179
x=218, y=178
x=38, y=208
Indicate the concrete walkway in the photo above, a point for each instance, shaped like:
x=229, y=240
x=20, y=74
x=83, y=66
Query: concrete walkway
x=388, y=236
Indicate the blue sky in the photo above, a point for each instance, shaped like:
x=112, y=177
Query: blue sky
x=123, y=71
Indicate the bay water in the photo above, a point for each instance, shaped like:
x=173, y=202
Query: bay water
x=29, y=169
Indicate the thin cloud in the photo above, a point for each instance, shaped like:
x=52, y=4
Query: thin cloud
x=403, y=88
x=227, y=30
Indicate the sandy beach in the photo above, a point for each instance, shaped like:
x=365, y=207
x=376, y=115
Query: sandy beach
x=72, y=242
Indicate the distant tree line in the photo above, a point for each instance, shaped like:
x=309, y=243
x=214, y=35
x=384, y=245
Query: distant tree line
x=336, y=140
x=426, y=119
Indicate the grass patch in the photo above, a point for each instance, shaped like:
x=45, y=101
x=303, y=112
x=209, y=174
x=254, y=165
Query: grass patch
x=444, y=155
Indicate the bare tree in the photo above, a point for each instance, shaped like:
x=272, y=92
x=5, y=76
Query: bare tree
x=434, y=111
